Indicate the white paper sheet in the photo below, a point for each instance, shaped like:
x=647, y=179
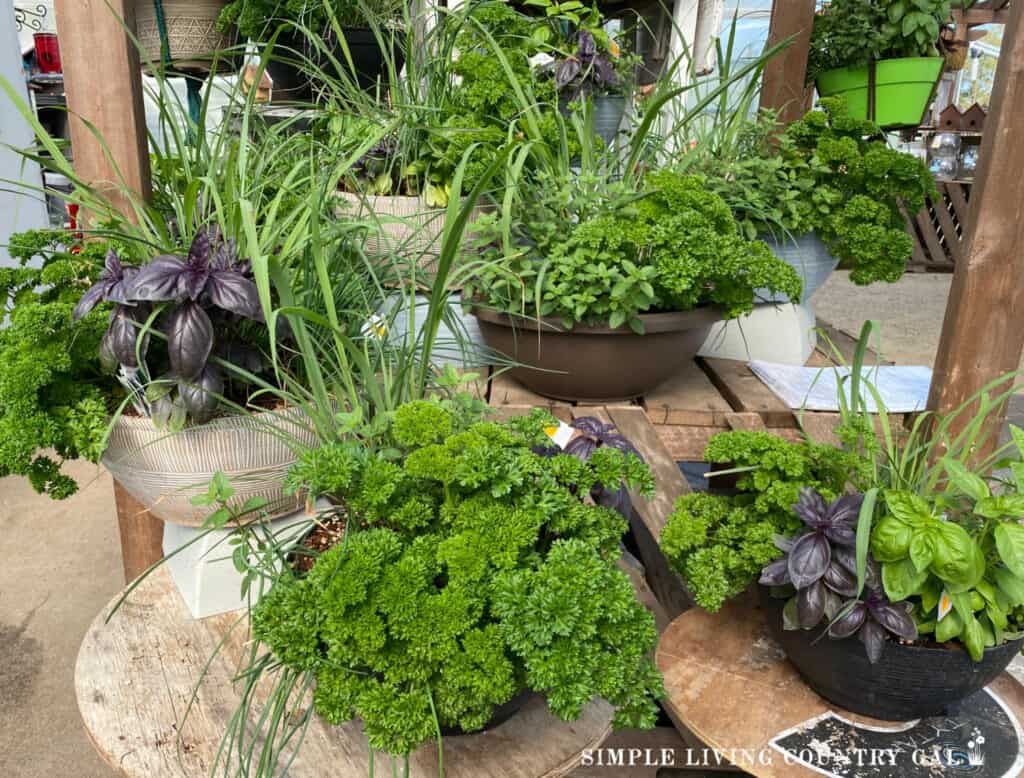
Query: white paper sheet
x=903, y=388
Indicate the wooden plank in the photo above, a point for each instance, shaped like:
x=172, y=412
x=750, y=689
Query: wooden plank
x=846, y=345
x=981, y=334
x=686, y=444
x=931, y=240
x=500, y=412
x=134, y=680
x=745, y=421
x=142, y=534
x=649, y=516
x=506, y=390
x=745, y=392
x=957, y=194
x=783, y=85
x=687, y=398
x=949, y=232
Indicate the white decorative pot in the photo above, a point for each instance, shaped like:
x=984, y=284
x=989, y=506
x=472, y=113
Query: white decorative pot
x=808, y=255
x=405, y=225
x=165, y=470
x=192, y=33
x=459, y=340
x=203, y=570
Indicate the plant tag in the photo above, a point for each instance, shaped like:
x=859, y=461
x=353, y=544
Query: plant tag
x=561, y=435
x=945, y=605
x=375, y=326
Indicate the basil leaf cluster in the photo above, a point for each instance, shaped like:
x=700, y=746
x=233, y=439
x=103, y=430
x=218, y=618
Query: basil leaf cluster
x=472, y=570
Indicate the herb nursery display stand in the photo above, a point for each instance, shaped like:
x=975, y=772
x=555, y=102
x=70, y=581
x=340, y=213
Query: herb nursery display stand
x=135, y=676
x=732, y=686
x=689, y=408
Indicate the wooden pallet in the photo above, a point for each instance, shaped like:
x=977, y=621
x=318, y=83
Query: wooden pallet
x=712, y=396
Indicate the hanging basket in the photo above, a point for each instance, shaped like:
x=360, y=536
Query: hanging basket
x=192, y=35
x=893, y=93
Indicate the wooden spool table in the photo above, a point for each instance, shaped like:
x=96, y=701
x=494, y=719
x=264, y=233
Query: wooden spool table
x=730, y=685
x=135, y=676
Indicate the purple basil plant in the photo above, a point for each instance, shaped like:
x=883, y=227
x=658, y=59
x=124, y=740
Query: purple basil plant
x=820, y=563
x=205, y=292
x=587, y=70
x=595, y=434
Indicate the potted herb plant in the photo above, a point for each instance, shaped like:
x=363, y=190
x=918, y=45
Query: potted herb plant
x=605, y=289
x=371, y=41
x=825, y=191
x=55, y=397
x=467, y=572
x=183, y=333
x=882, y=57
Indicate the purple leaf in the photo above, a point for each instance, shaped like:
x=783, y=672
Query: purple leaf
x=810, y=507
x=873, y=637
x=605, y=73
x=842, y=535
x=202, y=245
x=588, y=425
x=849, y=623
x=808, y=560
x=565, y=72
x=586, y=45
x=226, y=256
x=775, y=573
x=840, y=580
x=581, y=447
x=160, y=280
x=189, y=340
x=201, y=397
x=93, y=297
x=895, y=618
x=846, y=556
x=121, y=336
x=782, y=543
x=193, y=280
x=230, y=291
x=845, y=510
x=120, y=291
x=810, y=604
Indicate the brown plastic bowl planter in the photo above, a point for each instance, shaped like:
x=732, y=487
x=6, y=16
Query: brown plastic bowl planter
x=597, y=363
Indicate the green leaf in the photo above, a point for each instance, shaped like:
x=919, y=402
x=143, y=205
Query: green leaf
x=957, y=556
x=1010, y=544
x=864, y=521
x=922, y=549
x=973, y=638
x=218, y=518
x=890, y=539
x=1008, y=505
x=790, y=618
x=964, y=480
x=908, y=508
x=930, y=593
x=1010, y=585
x=902, y=579
x=221, y=487
x=254, y=503
x=617, y=319
x=949, y=627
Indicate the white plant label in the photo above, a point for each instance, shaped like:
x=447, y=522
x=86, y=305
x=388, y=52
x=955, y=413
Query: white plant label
x=561, y=435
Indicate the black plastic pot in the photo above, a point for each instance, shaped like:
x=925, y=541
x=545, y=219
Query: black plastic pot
x=502, y=713
x=293, y=83
x=907, y=682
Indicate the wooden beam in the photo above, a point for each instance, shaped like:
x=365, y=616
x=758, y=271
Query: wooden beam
x=103, y=85
x=783, y=87
x=981, y=335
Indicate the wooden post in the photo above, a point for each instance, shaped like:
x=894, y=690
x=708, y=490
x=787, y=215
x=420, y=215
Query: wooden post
x=103, y=85
x=982, y=337
x=783, y=88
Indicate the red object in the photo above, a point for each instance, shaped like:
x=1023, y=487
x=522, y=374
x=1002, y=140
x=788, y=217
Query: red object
x=47, y=52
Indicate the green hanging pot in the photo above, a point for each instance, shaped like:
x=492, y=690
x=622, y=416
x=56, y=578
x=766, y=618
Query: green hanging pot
x=900, y=92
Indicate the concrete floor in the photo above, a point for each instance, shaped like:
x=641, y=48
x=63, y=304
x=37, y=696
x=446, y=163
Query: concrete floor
x=61, y=560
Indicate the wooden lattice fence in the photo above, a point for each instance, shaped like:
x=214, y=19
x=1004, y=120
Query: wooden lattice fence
x=938, y=229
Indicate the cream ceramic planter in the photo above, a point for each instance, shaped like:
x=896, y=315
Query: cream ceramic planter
x=165, y=470
x=406, y=225
x=192, y=33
